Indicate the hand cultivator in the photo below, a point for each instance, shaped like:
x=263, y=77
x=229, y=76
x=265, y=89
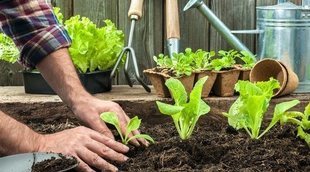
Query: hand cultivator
x=135, y=13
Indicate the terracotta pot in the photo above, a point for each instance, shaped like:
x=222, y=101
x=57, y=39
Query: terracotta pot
x=209, y=83
x=158, y=82
x=225, y=82
x=267, y=68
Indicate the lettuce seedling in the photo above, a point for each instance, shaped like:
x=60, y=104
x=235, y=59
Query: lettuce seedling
x=182, y=63
x=163, y=61
x=301, y=120
x=247, y=112
x=134, y=124
x=184, y=113
x=202, y=60
x=248, y=59
x=8, y=50
x=226, y=60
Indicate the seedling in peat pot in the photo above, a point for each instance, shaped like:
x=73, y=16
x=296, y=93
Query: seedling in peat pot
x=202, y=60
x=184, y=113
x=163, y=61
x=226, y=60
x=247, y=112
x=248, y=59
x=134, y=124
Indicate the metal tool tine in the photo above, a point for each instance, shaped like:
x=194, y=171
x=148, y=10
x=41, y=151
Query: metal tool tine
x=136, y=69
x=117, y=63
x=128, y=56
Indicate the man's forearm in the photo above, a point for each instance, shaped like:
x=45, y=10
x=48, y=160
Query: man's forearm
x=59, y=71
x=16, y=137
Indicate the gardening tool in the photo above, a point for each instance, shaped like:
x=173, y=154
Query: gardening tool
x=217, y=24
x=172, y=27
x=134, y=13
x=284, y=34
x=24, y=162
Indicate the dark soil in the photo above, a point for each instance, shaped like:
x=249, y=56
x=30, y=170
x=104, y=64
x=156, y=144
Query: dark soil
x=217, y=147
x=165, y=71
x=54, y=164
x=213, y=146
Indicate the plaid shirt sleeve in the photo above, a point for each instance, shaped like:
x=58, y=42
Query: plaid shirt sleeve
x=34, y=29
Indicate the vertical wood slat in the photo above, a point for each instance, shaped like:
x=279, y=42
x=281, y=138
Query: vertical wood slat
x=97, y=10
x=66, y=7
x=237, y=15
x=10, y=74
x=194, y=29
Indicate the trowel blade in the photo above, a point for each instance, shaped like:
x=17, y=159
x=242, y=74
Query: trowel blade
x=24, y=162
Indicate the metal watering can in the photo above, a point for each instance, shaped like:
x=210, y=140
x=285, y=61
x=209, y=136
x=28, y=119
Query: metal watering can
x=284, y=34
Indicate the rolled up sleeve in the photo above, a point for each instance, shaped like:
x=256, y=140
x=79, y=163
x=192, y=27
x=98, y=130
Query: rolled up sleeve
x=34, y=29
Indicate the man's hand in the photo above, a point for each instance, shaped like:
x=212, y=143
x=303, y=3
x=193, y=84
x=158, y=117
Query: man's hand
x=89, y=109
x=88, y=146
x=60, y=73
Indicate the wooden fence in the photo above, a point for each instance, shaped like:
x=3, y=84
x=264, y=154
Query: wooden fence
x=149, y=39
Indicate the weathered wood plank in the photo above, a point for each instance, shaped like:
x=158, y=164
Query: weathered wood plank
x=237, y=15
x=66, y=7
x=97, y=10
x=194, y=29
x=10, y=74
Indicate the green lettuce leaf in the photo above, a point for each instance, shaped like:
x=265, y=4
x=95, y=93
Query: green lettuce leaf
x=8, y=50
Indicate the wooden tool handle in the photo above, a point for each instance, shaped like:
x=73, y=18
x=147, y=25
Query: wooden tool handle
x=172, y=19
x=136, y=7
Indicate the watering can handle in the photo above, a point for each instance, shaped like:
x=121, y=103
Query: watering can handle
x=136, y=7
x=172, y=19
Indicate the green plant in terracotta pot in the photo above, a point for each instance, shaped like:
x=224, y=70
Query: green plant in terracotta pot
x=180, y=67
x=248, y=63
x=202, y=67
x=227, y=74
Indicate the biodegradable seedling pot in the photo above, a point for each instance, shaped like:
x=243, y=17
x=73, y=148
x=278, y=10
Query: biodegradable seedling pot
x=244, y=74
x=187, y=81
x=225, y=82
x=267, y=68
x=158, y=82
x=93, y=82
x=292, y=81
x=209, y=83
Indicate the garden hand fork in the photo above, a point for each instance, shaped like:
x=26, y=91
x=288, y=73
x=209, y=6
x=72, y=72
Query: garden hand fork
x=134, y=13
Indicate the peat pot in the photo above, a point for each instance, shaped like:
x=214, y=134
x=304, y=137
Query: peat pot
x=93, y=82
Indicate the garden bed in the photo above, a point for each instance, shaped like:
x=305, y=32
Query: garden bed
x=213, y=146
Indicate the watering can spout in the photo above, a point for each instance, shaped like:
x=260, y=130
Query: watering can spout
x=218, y=25
x=193, y=4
